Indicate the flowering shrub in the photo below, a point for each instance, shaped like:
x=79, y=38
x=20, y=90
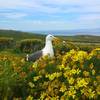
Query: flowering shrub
x=14, y=75
x=75, y=75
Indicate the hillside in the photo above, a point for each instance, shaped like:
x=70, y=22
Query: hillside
x=18, y=35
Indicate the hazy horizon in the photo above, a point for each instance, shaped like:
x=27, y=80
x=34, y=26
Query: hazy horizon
x=94, y=32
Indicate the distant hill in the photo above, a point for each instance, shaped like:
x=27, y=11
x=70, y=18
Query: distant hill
x=95, y=31
x=18, y=35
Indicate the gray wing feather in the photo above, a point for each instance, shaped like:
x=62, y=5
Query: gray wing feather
x=35, y=56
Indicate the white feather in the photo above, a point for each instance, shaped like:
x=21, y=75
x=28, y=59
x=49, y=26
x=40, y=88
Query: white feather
x=48, y=49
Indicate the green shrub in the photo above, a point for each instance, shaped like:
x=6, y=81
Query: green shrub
x=87, y=48
x=6, y=43
x=62, y=48
x=30, y=45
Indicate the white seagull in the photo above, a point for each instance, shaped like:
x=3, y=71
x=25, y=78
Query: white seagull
x=47, y=50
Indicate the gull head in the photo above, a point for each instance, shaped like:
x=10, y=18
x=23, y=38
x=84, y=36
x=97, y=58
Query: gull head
x=50, y=37
x=55, y=40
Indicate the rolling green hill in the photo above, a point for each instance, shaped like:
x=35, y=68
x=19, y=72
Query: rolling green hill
x=18, y=35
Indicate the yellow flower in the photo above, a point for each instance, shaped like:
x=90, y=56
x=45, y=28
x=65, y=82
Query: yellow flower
x=88, y=79
x=91, y=93
x=61, y=67
x=31, y=84
x=90, y=55
x=72, y=92
x=36, y=78
x=93, y=72
x=67, y=74
x=50, y=76
x=71, y=80
x=63, y=88
x=97, y=49
x=50, y=88
x=78, y=71
x=43, y=95
x=22, y=60
x=86, y=73
x=58, y=74
x=81, y=83
x=75, y=58
x=54, y=98
x=72, y=52
x=68, y=56
x=53, y=76
x=29, y=98
x=80, y=56
x=73, y=71
x=85, y=92
x=98, y=90
x=91, y=66
x=35, y=65
x=98, y=78
x=95, y=83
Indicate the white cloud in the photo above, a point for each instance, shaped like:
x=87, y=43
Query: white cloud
x=13, y=15
x=89, y=17
x=64, y=6
x=61, y=6
x=10, y=3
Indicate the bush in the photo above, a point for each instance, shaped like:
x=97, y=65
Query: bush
x=73, y=76
x=87, y=48
x=14, y=76
x=30, y=45
x=6, y=43
x=62, y=48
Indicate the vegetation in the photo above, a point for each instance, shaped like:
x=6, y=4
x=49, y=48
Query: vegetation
x=14, y=76
x=17, y=35
x=85, y=42
x=6, y=43
x=30, y=45
x=72, y=74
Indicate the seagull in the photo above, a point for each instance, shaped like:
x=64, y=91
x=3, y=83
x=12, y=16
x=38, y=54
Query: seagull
x=47, y=50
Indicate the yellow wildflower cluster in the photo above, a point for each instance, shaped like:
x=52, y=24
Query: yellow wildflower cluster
x=74, y=75
x=54, y=75
x=81, y=83
x=14, y=72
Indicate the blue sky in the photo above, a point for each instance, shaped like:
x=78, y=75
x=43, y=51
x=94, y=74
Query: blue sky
x=28, y=15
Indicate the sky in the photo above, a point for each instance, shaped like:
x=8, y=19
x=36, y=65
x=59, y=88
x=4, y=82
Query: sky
x=30, y=15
